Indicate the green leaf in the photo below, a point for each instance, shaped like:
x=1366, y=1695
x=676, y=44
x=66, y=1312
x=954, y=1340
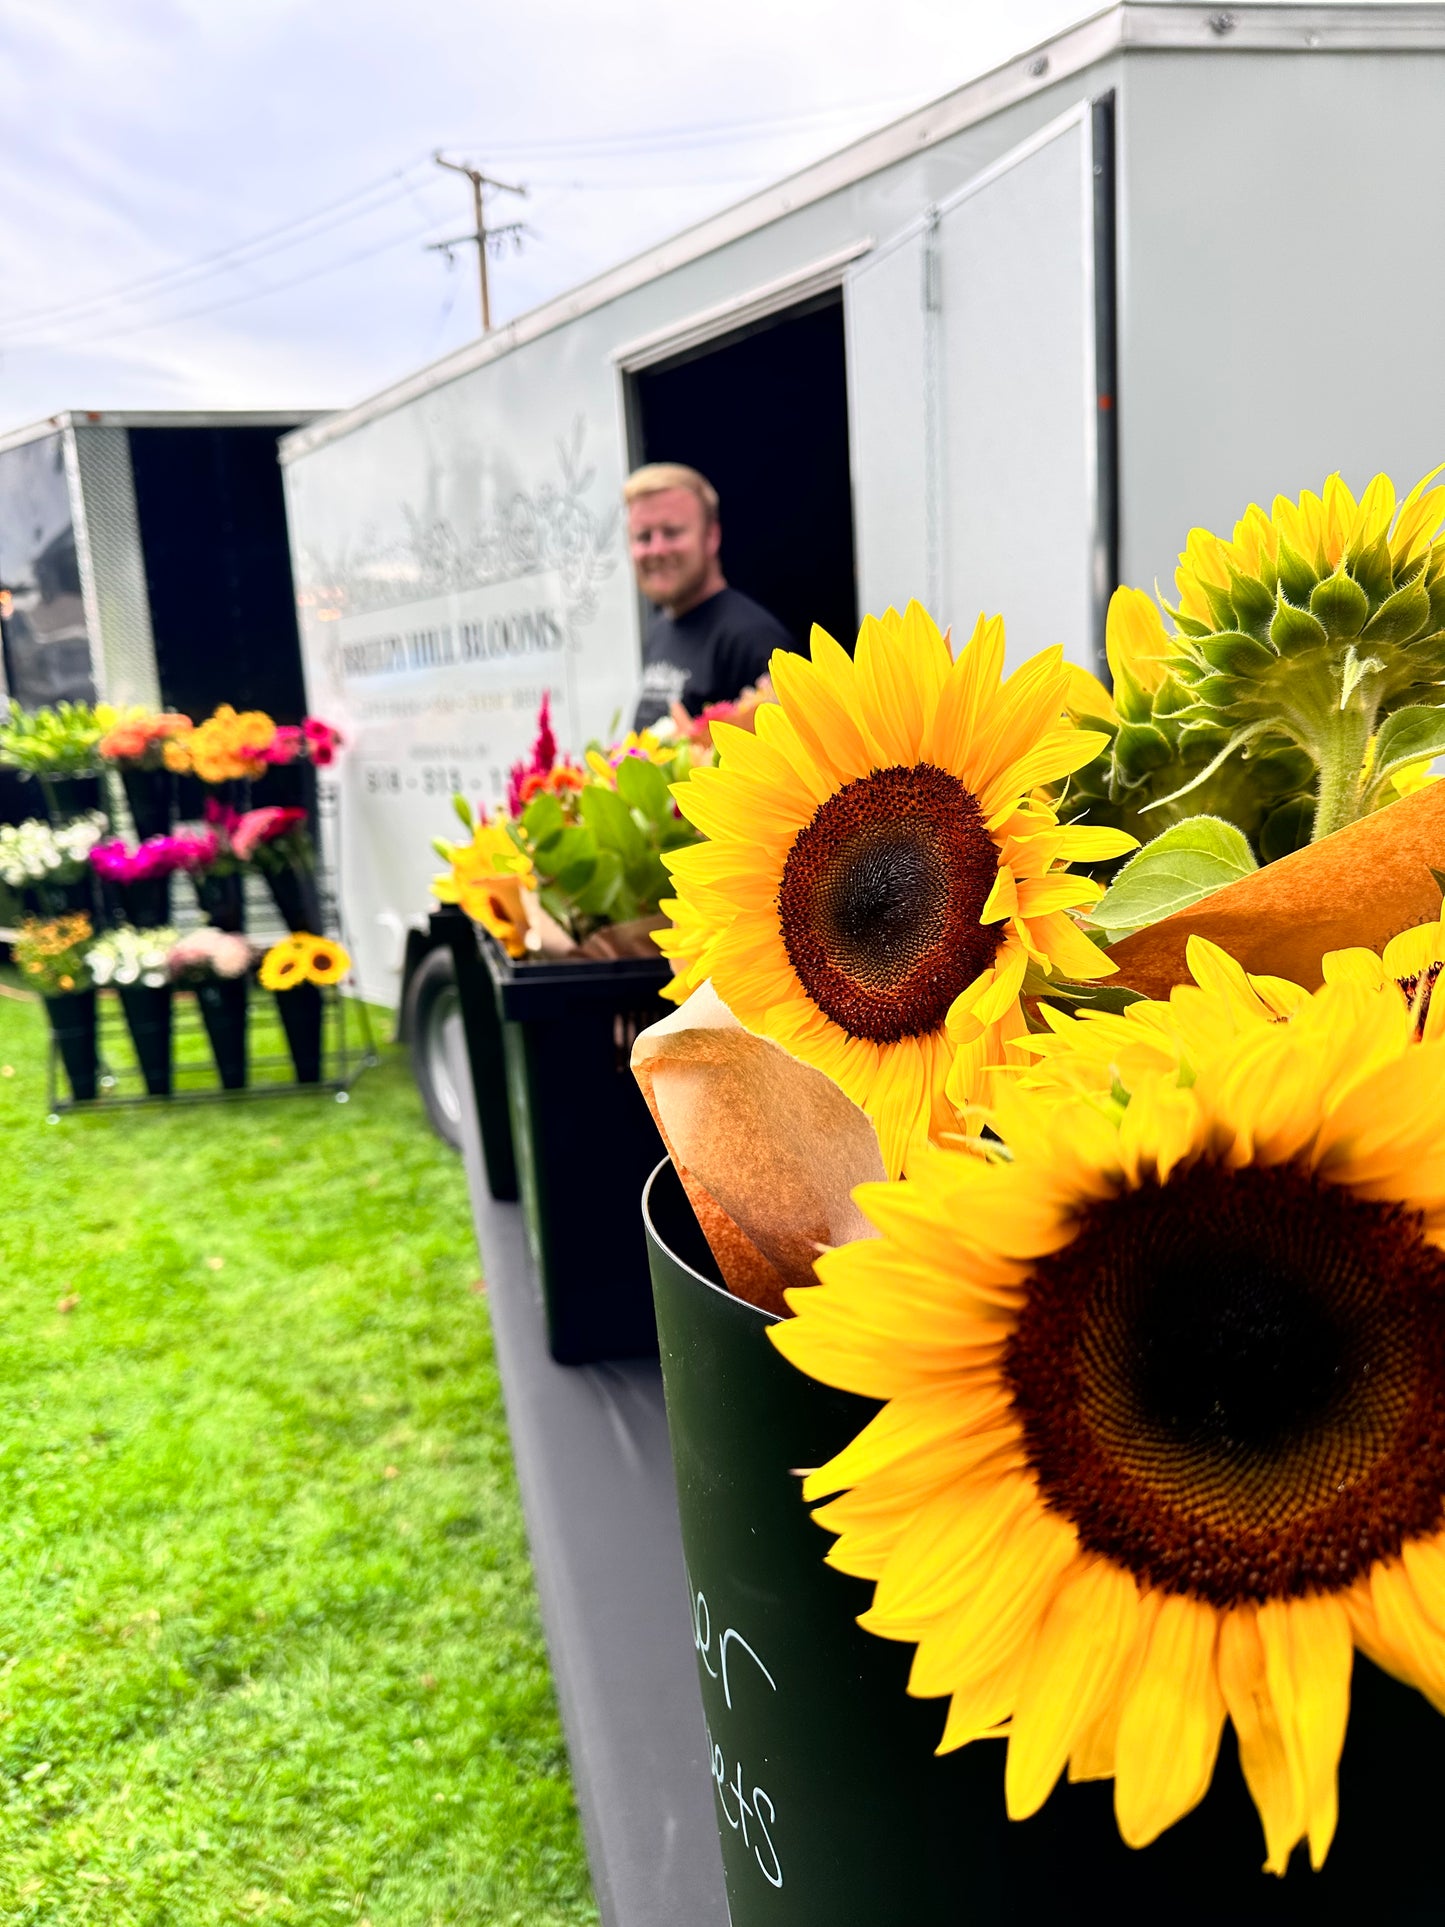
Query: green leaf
x=1407, y=736
x=610, y=820
x=644, y=787
x=1188, y=861
x=543, y=817
x=601, y=894
x=463, y=809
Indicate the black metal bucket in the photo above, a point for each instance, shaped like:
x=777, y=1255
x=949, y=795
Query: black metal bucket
x=832, y=1808
x=302, y=1011
x=222, y=1002
x=72, y=1019
x=295, y=895
x=148, y=1016
x=482, y=1028
x=151, y=796
x=584, y=1141
x=222, y=900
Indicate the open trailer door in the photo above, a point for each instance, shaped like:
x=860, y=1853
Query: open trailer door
x=980, y=345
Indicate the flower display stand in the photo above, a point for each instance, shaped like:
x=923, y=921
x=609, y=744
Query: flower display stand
x=254, y=1041
x=590, y=1444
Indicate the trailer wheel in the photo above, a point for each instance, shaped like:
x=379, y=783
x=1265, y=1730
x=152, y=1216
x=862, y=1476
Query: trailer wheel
x=434, y=1026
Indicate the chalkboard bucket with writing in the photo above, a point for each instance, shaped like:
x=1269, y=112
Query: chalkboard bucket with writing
x=584, y=1141
x=832, y=1807
x=482, y=1028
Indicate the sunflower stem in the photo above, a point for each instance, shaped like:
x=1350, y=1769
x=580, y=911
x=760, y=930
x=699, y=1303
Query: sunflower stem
x=1341, y=748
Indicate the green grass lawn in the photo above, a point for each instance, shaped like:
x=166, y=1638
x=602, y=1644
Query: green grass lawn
x=269, y=1647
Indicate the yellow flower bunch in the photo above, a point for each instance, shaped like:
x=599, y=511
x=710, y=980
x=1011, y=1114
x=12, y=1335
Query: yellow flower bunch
x=227, y=745
x=487, y=878
x=303, y=959
x=50, y=953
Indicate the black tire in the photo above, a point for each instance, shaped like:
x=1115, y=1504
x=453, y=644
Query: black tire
x=433, y=1022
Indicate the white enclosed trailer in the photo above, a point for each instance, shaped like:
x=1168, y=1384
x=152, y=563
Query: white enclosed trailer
x=1000, y=355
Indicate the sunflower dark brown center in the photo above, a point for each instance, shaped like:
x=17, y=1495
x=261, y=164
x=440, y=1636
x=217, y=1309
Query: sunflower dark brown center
x=1234, y=1384
x=880, y=901
x=1418, y=990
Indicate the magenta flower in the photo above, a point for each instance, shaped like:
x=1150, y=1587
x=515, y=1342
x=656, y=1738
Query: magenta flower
x=321, y=740
x=158, y=856
x=260, y=826
x=541, y=761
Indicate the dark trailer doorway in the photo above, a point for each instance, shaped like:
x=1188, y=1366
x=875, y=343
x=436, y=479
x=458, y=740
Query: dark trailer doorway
x=762, y=411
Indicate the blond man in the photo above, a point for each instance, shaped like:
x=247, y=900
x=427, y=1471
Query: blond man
x=705, y=643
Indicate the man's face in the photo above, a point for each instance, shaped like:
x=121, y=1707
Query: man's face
x=673, y=544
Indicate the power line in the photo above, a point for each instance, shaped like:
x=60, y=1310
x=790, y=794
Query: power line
x=227, y=301
x=484, y=237
x=223, y=259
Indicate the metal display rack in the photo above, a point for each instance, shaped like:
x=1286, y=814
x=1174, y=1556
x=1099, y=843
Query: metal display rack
x=347, y=1049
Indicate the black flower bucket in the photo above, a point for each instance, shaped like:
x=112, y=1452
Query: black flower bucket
x=150, y=795
x=584, y=1141
x=295, y=895
x=146, y=903
x=72, y=1019
x=301, y=1011
x=222, y=900
x=833, y=1809
x=68, y=796
x=222, y=1002
x=482, y=1028
x=148, y=1017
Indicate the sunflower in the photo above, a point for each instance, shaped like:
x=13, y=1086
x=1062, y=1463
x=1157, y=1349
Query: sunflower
x=1163, y=1437
x=325, y=962
x=284, y=964
x=877, y=878
x=1098, y=1050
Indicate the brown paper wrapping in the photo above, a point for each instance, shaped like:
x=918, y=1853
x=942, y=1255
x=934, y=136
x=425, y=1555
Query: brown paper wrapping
x=1361, y=886
x=546, y=937
x=768, y=1148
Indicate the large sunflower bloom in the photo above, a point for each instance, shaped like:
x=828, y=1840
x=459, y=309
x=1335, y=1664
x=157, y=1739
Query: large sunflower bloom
x=1164, y=1431
x=876, y=880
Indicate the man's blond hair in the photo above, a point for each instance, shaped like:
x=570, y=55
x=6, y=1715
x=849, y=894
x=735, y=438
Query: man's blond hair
x=657, y=476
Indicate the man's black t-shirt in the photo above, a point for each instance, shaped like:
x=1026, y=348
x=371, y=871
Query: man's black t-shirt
x=708, y=655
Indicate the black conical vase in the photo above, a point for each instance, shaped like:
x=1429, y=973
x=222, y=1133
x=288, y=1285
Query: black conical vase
x=146, y=903
x=151, y=796
x=72, y=1018
x=295, y=895
x=148, y=1015
x=301, y=1011
x=223, y=1012
x=222, y=900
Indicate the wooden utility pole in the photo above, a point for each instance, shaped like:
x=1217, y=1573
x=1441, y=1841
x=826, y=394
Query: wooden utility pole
x=481, y=234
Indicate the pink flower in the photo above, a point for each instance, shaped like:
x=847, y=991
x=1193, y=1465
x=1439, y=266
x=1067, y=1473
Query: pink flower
x=158, y=856
x=285, y=745
x=260, y=826
x=322, y=741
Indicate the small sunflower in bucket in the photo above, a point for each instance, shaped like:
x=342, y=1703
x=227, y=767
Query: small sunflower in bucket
x=303, y=959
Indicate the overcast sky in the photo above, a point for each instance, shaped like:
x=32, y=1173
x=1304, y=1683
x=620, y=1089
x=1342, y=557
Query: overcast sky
x=293, y=140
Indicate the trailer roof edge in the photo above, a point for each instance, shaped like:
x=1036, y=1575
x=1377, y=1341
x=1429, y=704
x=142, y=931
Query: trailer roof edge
x=157, y=418
x=1143, y=25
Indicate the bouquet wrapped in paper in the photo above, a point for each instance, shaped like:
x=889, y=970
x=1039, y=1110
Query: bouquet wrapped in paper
x=1060, y=1064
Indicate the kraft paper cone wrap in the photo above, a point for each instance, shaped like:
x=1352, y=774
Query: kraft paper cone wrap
x=1360, y=886
x=768, y=1149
